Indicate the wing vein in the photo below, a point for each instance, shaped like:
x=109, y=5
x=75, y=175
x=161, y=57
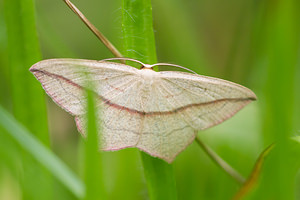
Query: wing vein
x=190, y=91
x=180, y=113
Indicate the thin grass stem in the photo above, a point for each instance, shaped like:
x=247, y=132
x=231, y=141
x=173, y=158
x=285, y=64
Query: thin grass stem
x=98, y=34
x=221, y=163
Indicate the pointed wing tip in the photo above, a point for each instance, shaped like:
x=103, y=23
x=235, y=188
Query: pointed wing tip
x=35, y=70
x=35, y=67
x=252, y=96
x=249, y=94
x=38, y=67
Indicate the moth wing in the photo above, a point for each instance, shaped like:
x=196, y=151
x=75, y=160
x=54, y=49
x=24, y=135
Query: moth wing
x=205, y=101
x=116, y=86
x=64, y=80
x=183, y=103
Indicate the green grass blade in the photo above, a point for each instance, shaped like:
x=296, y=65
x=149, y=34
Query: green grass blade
x=263, y=187
x=282, y=44
x=139, y=43
x=27, y=96
x=41, y=153
x=23, y=49
x=160, y=178
x=254, y=175
x=93, y=161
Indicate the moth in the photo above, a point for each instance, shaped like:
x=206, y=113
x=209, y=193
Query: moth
x=157, y=112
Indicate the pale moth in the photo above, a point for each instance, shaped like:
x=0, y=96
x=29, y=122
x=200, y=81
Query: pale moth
x=157, y=112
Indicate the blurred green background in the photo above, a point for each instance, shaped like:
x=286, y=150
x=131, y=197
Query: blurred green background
x=250, y=42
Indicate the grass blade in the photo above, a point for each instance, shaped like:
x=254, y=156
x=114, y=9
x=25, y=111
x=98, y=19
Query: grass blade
x=139, y=43
x=41, y=153
x=137, y=29
x=27, y=96
x=23, y=49
x=254, y=176
x=282, y=44
x=93, y=161
x=220, y=162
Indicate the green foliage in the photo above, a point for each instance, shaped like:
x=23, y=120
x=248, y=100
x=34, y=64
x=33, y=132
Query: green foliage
x=40, y=152
x=27, y=97
x=282, y=55
x=23, y=51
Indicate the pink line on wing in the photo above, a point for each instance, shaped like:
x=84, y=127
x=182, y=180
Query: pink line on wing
x=134, y=111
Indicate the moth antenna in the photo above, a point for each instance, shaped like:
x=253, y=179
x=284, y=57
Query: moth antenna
x=98, y=34
x=130, y=59
x=173, y=65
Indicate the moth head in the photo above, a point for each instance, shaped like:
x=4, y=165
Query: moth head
x=147, y=66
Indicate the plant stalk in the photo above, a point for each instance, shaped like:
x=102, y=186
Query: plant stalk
x=221, y=163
